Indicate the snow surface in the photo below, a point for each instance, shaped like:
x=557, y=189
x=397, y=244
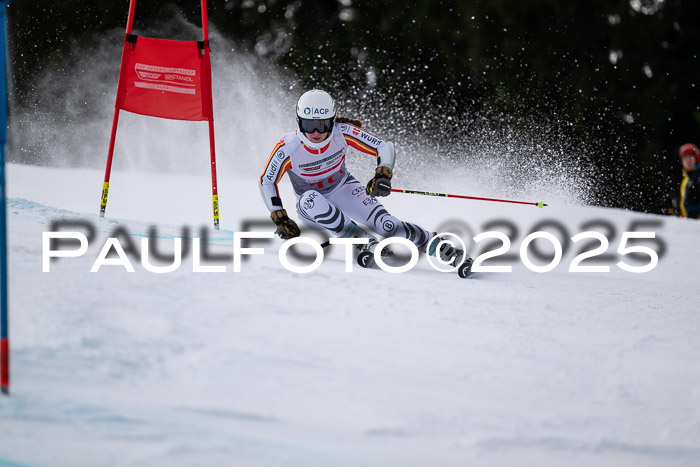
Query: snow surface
x=269, y=367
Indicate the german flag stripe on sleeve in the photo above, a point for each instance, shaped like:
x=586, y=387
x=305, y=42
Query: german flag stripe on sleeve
x=360, y=146
x=287, y=164
x=267, y=164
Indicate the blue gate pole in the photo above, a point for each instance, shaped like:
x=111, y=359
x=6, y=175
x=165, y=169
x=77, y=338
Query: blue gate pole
x=4, y=331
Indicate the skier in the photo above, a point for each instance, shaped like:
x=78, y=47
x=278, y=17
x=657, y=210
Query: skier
x=690, y=185
x=328, y=196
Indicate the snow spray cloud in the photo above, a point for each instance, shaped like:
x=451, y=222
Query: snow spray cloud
x=503, y=156
x=249, y=113
x=496, y=155
x=69, y=120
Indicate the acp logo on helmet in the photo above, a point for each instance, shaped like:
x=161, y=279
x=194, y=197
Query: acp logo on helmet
x=314, y=111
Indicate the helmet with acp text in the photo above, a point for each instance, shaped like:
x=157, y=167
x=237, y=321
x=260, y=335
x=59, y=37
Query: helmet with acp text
x=315, y=112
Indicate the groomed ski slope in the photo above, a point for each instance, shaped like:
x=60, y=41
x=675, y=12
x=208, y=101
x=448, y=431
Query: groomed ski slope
x=268, y=367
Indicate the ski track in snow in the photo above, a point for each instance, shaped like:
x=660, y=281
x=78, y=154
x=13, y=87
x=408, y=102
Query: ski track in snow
x=269, y=367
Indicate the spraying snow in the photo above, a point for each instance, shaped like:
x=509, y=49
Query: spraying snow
x=254, y=105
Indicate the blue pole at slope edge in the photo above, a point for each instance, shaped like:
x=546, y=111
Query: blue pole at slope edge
x=4, y=330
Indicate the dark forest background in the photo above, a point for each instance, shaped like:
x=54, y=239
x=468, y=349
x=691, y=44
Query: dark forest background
x=622, y=73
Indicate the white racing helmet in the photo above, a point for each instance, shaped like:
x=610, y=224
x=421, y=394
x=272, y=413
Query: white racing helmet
x=315, y=112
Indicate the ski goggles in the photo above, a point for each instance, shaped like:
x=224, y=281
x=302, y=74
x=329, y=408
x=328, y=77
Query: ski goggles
x=324, y=125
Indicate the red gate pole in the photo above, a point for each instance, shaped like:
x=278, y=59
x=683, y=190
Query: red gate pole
x=207, y=104
x=205, y=25
x=115, y=119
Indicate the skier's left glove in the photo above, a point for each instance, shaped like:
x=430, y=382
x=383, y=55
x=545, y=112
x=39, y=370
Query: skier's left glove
x=286, y=227
x=380, y=185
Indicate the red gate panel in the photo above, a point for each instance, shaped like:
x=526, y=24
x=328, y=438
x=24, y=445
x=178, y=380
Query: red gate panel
x=165, y=78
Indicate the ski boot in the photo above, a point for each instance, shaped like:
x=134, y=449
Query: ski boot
x=366, y=256
x=452, y=256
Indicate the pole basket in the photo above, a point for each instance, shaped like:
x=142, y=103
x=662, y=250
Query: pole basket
x=165, y=79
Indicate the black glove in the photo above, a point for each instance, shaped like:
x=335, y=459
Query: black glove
x=380, y=185
x=286, y=227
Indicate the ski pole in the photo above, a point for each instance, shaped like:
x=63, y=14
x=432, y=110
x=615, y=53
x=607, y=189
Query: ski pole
x=539, y=204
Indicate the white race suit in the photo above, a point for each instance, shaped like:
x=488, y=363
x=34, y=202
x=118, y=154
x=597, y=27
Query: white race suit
x=328, y=196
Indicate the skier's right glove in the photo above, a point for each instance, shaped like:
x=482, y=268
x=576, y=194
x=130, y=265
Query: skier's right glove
x=286, y=227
